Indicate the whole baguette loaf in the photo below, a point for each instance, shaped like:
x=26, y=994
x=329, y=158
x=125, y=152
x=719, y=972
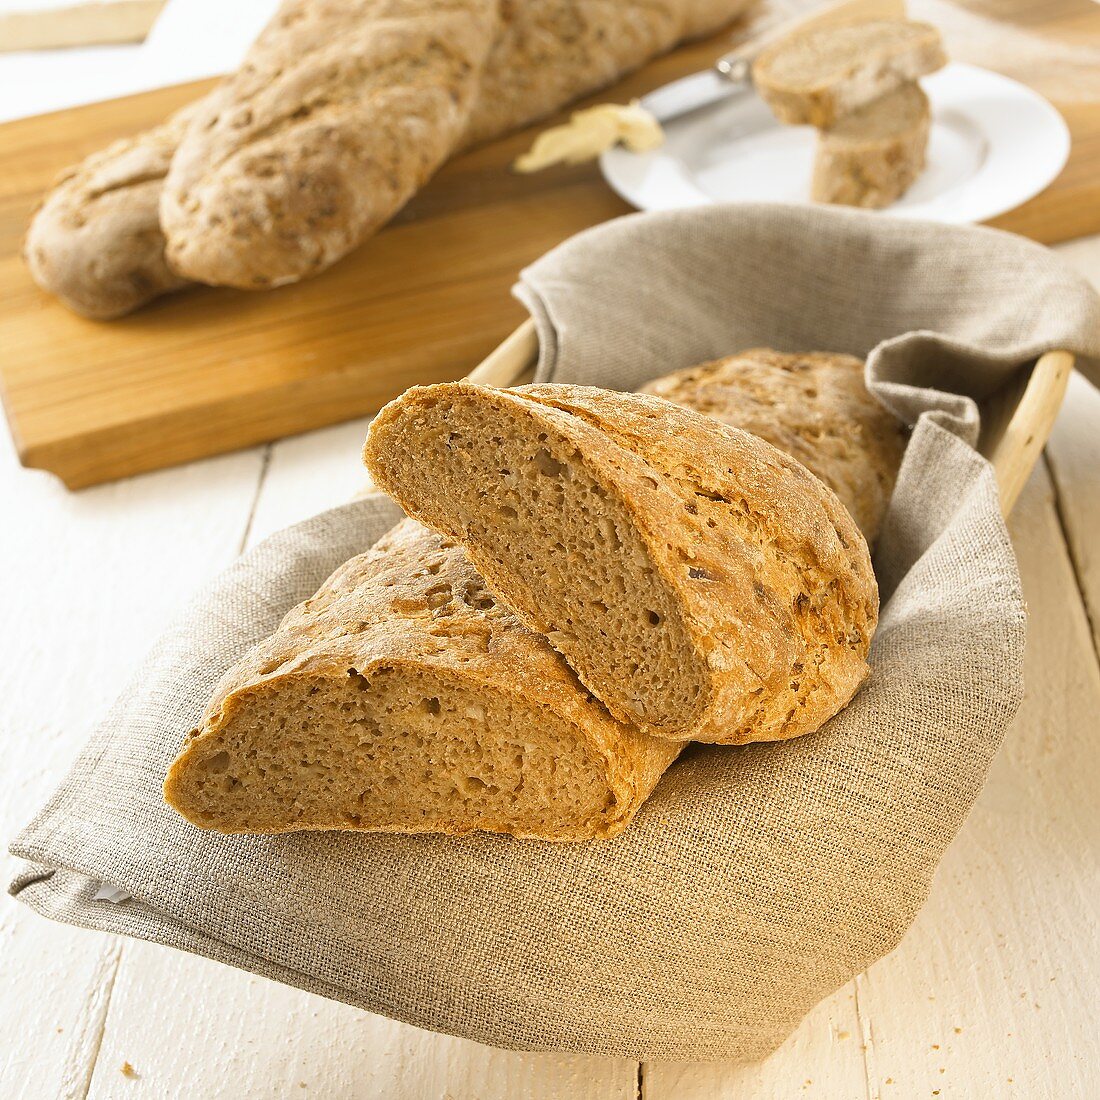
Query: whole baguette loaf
x=95, y=241
x=819, y=76
x=544, y=54
x=813, y=406
x=321, y=161
x=703, y=585
x=872, y=156
x=403, y=698
x=340, y=112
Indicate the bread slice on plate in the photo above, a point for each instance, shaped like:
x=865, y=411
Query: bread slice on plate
x=702, y=584
x=813, y=406
x=404, y=698
x=819, y=76
x=873, y=156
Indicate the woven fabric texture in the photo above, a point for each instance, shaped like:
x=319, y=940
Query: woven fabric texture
x=756, y=880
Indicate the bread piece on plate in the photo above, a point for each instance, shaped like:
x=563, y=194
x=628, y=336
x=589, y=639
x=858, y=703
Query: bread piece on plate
x=95, y=242
x=819, y=76
x=702, y=584
x=404, y=698
x=873, y=156
x=813, y=406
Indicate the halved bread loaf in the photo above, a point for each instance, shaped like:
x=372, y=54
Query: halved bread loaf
x=813, y=406
x=702, y=584
x=819, y=76
x=872, y=156
x=404, y=698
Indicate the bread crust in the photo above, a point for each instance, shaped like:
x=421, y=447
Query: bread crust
x=772, y=577
x=95, y=241
x=338, y=115
x=813, y=406
x=414, y=600
x=879, y=56
x=549, y=52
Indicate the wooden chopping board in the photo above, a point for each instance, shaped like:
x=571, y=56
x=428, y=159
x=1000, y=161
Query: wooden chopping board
x=211, y=370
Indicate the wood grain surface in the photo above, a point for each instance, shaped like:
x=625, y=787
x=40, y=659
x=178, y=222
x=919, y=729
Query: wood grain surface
x=211, y=370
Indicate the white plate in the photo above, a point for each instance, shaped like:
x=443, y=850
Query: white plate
x=994, y=144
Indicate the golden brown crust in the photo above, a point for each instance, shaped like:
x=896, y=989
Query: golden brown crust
x=773, y=578
x=338, y=115
x=813, y=406
x=414, y=600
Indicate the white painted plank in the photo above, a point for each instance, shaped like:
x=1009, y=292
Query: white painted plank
x=996, y=989
x=86, y=582
x=308, y=473
x=824, y=1059
x=191, y=1027
x=1074, y=456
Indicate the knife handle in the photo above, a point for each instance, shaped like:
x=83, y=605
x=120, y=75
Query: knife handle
x=736, y=66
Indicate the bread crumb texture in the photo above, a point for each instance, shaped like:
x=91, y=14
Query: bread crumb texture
x=404, y=698
x=702, y=584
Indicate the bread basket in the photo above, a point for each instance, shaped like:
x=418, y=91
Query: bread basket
x=1016, y=420
x=756, y=880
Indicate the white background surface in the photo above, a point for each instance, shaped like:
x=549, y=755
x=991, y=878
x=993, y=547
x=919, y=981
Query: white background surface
x=191, y=39
x=994, y=993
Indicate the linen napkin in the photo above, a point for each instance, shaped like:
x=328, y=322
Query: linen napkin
x=756, y=880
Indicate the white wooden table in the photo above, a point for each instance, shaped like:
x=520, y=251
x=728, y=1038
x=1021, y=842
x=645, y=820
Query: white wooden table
x=995, y=991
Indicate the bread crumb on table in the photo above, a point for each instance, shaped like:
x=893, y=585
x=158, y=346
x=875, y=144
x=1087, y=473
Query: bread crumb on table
x=128, y=1070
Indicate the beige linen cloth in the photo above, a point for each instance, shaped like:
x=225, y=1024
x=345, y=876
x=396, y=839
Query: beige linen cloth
x=756, y=880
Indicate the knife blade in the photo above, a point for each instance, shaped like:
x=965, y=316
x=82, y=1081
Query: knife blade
x=699, y=90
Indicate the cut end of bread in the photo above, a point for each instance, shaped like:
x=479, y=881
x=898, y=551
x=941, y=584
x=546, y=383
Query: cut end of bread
x=397, y=749
x=403, y=698
x=702, y=585
x=818, y=76
x=551, y=531
x=871, y=157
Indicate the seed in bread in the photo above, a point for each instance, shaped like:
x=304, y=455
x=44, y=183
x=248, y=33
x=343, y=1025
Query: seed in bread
x=813, y=406
x=873, y=156
x=819, y=76
x=404, y=698
x=702, y=584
